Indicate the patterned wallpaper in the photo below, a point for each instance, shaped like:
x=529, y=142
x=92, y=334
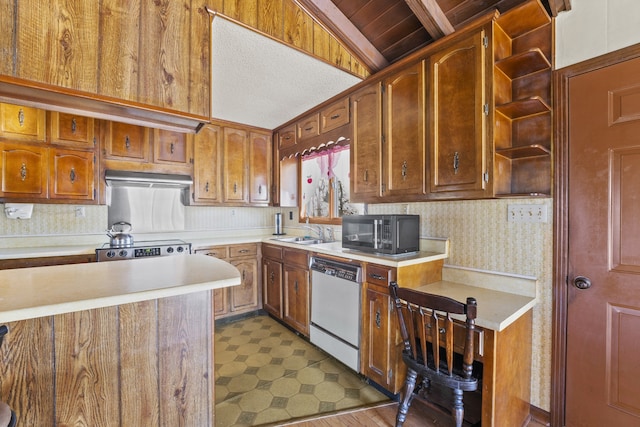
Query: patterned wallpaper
x=480, y=237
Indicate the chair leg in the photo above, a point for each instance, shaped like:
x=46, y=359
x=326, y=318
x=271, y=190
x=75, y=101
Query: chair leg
x=403, y=407
x=458, y=407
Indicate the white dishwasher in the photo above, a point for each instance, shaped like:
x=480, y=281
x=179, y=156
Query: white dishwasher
x=335, y=309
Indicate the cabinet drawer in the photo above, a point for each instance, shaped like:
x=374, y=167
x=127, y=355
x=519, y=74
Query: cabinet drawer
x=221, y=252
x=22, y=123
x=236, y=251
x=126, y=142
x=272, y=251
x=334, y=116
x=459, y=337
x=71, y=129
x=287, y=137
x=308, y=127
x=170, y=147
x=296, y=257
x=380, y=275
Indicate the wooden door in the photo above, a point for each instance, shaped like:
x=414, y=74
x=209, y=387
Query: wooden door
x=603, y=312
x=457, y=120
x=295, y=310
x=245, y=296
x=377, y=322
x=73, y=174
x=272, y=286
x=366, y=146
x=260, y=168
x=24, y=171
x=404, y=148
x=207, y=165
x=235, y=156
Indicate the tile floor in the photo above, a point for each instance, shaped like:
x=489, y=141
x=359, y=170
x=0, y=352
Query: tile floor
x=265, y=374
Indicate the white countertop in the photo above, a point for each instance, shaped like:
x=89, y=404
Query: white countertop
x=42, y=291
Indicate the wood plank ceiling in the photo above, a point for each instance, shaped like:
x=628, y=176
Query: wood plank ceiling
x=380, y=32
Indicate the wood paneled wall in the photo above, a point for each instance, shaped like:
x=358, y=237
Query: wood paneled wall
x=286, y=21
x=148, y=363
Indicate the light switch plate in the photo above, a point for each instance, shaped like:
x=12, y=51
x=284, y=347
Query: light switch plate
x=527, y=213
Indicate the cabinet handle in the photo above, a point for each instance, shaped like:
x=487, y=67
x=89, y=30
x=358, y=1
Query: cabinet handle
x=456, y=162
x=259, y=189
x=441, y=330
x=171, y=148
x=73, y=125
x=235, y=188
x=21, y=117
x=366, y=175
x=72, y=175
x=335, y=116
x=272, y=277
x=404, y=170
x=376, y=276
x=243, y=274
x=23, y=172
x=127, y=142
x=206, y=187
x=308, y=129
x=295, y=286
x=243, y=251
x=378, y=319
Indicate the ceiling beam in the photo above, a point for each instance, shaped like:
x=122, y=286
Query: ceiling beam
x=329, y=15
x=432, y=17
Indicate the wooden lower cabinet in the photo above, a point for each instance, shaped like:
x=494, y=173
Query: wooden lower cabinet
x=245, y=297
x=286, y=285
x=145, y=363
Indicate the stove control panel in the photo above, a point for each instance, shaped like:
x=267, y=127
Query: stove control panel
x=143, y=250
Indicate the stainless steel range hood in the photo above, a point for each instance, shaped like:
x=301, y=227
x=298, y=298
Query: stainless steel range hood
x=47, y=97
x=118, y=178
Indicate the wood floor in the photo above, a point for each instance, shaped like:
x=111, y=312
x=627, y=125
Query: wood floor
x=383, y=415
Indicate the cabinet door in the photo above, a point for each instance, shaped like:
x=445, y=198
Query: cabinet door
x=334, y=116
x=404, y=148
x=377, y=330
x=171, y=147
x=366, y=146
x=24, y=171
x=73, y=174
x=296, y=298
x=235, y=155
x=245, y=296
x=220, y=303
x=272, y=287
x=71, y=129
x=457, y=120
x=260, y=158
x=207, y=163
x=126, y=142
x=22, y=123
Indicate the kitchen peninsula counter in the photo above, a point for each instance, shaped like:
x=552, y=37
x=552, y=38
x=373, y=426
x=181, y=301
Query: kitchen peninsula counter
x=129, y=342
x=42, y=291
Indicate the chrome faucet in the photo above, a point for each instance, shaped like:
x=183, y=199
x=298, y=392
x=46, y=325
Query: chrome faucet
x=329, y=232
x=316, y=229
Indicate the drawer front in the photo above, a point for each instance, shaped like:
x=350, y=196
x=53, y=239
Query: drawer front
x=308, y=127
x=459, y=331
x=380, y=275
x=272, y=251
x=334, y=116
x=236, y=251
x=287, y=137
x=221, y=252
x=296, y=257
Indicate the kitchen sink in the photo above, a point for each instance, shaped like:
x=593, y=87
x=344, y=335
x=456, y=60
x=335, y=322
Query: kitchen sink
x=299, y=240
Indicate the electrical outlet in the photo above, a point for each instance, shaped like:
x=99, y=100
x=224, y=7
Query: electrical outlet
x=233, y=212
x=527, y=213
x=80, y=212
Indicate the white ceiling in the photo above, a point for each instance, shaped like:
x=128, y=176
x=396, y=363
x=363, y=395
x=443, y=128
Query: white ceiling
x=261, y=82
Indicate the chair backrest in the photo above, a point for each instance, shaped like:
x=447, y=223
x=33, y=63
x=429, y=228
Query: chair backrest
x=427, y=318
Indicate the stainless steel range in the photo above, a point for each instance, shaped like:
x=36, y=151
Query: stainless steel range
x=151, y=248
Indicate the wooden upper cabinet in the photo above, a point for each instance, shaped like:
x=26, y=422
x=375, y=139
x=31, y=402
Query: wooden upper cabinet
x=335, y=115
x=207, y=165
x=24, y=171
x=126, y=142
x=404, y=148
x=260, y=158
x=366, y=145
x=20, y=123
x=72, y=174
x=287, y=137
x=171, y=147
x=308, y=127
x=235, y=155
x=457, y=108
x=71, y=129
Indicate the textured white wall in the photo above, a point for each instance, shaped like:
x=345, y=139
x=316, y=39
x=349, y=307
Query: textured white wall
x=595, y=27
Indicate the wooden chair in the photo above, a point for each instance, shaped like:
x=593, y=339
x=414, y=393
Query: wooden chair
x=7, y=416
x=427, y=331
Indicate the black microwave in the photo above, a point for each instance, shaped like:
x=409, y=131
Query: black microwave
x=383, y=234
